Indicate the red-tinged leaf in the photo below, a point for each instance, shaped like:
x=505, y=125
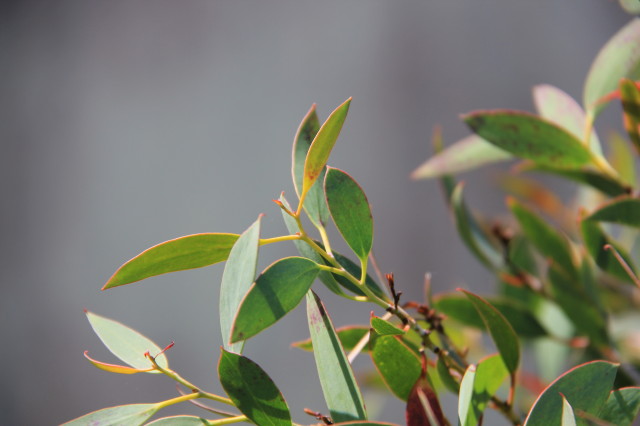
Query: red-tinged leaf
x=192, y=251
x=423, y=406
x=622, y=210
x=630, y=96
x=114, y=368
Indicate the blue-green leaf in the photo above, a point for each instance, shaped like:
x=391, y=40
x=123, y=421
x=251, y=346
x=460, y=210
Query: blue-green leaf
x=133, y=414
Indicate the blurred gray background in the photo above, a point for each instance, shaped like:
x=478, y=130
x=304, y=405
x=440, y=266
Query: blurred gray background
x=127, y=123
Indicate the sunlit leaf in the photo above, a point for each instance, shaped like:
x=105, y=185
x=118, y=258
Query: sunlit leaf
x=252, y=390
x=113, y=368
x=630, y=96
x=500, y=330
x=466, y=414
x=622, y=210
x=321, y=147
x=467, y=154
x=568, y=417
x=239, y=274
x=385, y=328
x=277, y=291
x=341, y=392
x=622, y=406
x=398, y=365
x=126, y=343
x=350, y=211
x=586, y=387
x=530, y=137
x=490, y=373
x=619, y=58
x=133, y=414
x=349, y=337
x=192, y=251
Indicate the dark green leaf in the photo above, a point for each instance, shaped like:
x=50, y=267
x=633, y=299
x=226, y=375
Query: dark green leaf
x=341, y=392
x=622, y=210
x=350, y=211
x=349, y=337
x=385, y=328
x=192, y=251
x=398, y=366
x=467, y=154
x=134, y=414
x=500, y=330
x=586, y=387
x=321, y=147
x=630, y=96
x=278, y=290
x=595, y=240
x=239, y=274
x=252, y=390
x=126, y=343
x=446, y=377
x=619, y=58
x=622, y=406
x=530, y=137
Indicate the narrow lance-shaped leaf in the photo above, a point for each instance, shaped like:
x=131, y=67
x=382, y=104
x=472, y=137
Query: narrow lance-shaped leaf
x=133, y=414
x=500, y=330
x=530, y=137
x=239, y=274
x=114, y=368
x=465, y=397
x=350, y=211
x=341, y=392
x=630, y=96
x=398, y=366
x=321, y=147
x=586, y=387
x=622, y=406
x=568, y=417
x=126, y=343
x=490, y=373
x=276, y=292
x=622, y=210
x=179, y=421
x=315, y=204
x=619, y=58
x=189, y=252
x=252, y=390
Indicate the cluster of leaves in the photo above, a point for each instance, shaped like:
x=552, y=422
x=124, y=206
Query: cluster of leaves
x=567, y=289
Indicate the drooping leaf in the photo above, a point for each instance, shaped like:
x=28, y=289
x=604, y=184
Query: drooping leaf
x=277, y=291
x=622, y=210
x=189, y=252
x=126, y=343
x=500, y=330
x=113, y=368
x=558, y=107
x=465, y=397
x=622, y=407
x=238, y=276
x=630, y=96
x=252, y=390
x=530, y=137
x=321, y=147
x=568, y=417
x=315, y=204
x=385, y=328
x=179, y=421
x=133, y=414
x=349, y=337
x=398, y=365
x=341, y=392
x=467, y=154
x=350, y=211
x=619, y=58
x=423, y=406
x=586, y=387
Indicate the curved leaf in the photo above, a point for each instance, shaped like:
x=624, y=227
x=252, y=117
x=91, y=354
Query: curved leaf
x=189, y=252
x=277, y=291
x=239, y=274
x=126, y=343
x=622, y=210
x=398, y=366
x=252, y=390
x=350, y=211
x=133, y=414
x=466, y=414
x=179, y=421
x=341, y=392
x=568, y=418
x=113, y=368
x=586, y=387
x=530, y=137
x=622, y=406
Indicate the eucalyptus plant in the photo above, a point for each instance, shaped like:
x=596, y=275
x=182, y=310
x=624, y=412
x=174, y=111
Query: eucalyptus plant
x=567, y=287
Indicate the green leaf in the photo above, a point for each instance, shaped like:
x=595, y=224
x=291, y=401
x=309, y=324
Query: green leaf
x=398, y=366
x=126, y=343
x=530, y=137
x=350, y=211
x=551, y=244
x=568, y=418
x=315, y=204
x=466, y=414
x=482, y=385
x=586, y=387
x=622, y=210
x=341, y=392
x=355, y=270
x=179, y=421
x=192, y=251
x=321, y=147
x=595, y=240
x=252, y=390
x=619, y=58
x=446, y=377
x=385, y=328
x=349, y=337
x=622, y=406
x=630, y=6
x=630, y=96
x=277, y=291
x=500, y=330
x=239, y=274
x=467, y=154
x=133, y=414
x=622, y=159
x=592, y=178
